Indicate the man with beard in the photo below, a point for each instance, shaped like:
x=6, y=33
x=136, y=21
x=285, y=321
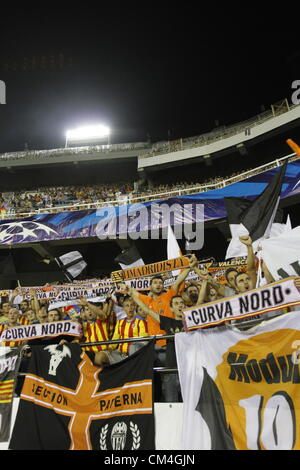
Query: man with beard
x=190, y=295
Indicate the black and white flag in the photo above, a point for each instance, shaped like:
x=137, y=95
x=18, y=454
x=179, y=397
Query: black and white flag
x=72, y=264
x=72, y=404
x=259, y=218
x=129, y=258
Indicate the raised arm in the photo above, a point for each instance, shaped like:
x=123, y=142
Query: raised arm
x=251, y=268
x=202, y=292
x=205, y=276
x=182, y=276
x=108, y=305
x=35, y=305
x=147, y=310
x=97, y=310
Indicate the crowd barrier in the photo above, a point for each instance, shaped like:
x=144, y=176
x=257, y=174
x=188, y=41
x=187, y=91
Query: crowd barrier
x=153, y=196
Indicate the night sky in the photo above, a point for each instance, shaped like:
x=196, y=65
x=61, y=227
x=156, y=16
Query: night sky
x=167, y=70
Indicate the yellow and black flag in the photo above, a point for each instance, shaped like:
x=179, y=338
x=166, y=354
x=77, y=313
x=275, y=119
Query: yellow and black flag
x=79, y=406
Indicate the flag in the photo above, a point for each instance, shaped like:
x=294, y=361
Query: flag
x=241, y=389
x=254, y=218
x=282, y=254
x=72, y=404
x=72, y=264
x=9, y=366
x=129, y=258
x=173, y=249
x=294, y=146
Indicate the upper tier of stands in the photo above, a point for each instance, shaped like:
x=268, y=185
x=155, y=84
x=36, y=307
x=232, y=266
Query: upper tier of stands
x=70, y=198
x=144, y=150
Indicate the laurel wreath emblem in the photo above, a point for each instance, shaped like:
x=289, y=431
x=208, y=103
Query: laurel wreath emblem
x=103, y=437
x=136, y=435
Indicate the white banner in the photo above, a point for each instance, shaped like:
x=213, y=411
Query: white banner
x=241, y=389
x=40, y=330
x=282, y=254
x=274, y=296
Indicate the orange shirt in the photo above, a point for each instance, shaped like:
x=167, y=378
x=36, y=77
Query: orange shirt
x=160, y=305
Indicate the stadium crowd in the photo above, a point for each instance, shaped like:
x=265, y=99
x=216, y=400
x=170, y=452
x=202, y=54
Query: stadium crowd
x=57, y=199
x=131, y=314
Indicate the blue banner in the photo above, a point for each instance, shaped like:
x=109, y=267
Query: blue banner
x=136, y=218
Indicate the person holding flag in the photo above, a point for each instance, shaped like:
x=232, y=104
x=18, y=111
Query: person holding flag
x=158, y=299
x=13, y=321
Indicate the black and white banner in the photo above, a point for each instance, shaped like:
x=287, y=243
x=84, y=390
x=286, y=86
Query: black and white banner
x=72, y=404
x=40, y=330
x=9, y=366
x=272, y=297
x=241, y=389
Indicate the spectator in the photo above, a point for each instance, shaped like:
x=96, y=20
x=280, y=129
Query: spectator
x=129, y=327
x=5, y=306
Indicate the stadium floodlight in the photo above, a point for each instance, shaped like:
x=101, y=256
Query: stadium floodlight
x=88, y=134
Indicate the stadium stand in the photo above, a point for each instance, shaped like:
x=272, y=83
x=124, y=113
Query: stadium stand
x=115, y=319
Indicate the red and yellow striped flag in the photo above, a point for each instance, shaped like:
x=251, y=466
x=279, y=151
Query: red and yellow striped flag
x=6, y=391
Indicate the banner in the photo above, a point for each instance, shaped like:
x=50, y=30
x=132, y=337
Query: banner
x=9, y=366
x=69, y=291
x=218, y=268
x=41, y=330
x=97, y=290
x=77, y=406
x=150, y=269
x=282, y=254
x=241, y=389
x=265, y=299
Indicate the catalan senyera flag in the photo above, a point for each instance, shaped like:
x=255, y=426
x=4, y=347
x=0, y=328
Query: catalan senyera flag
x=9, y=366
x=73, y=404
x=241, y=388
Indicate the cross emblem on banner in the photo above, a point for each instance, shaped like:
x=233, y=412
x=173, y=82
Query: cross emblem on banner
x=84, y=404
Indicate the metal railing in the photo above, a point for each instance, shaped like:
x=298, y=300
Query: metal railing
x=225, y=132
x=153, y=196
x=157, y=148
x=43, y=154
x=120, y=341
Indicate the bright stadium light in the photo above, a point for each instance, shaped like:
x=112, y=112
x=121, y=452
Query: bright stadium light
x=88, y=134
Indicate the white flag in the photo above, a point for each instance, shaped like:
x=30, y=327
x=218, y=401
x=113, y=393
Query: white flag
x=173, y=249
x=282, y=254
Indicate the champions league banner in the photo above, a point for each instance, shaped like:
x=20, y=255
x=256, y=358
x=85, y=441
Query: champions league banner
x=114, y=220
